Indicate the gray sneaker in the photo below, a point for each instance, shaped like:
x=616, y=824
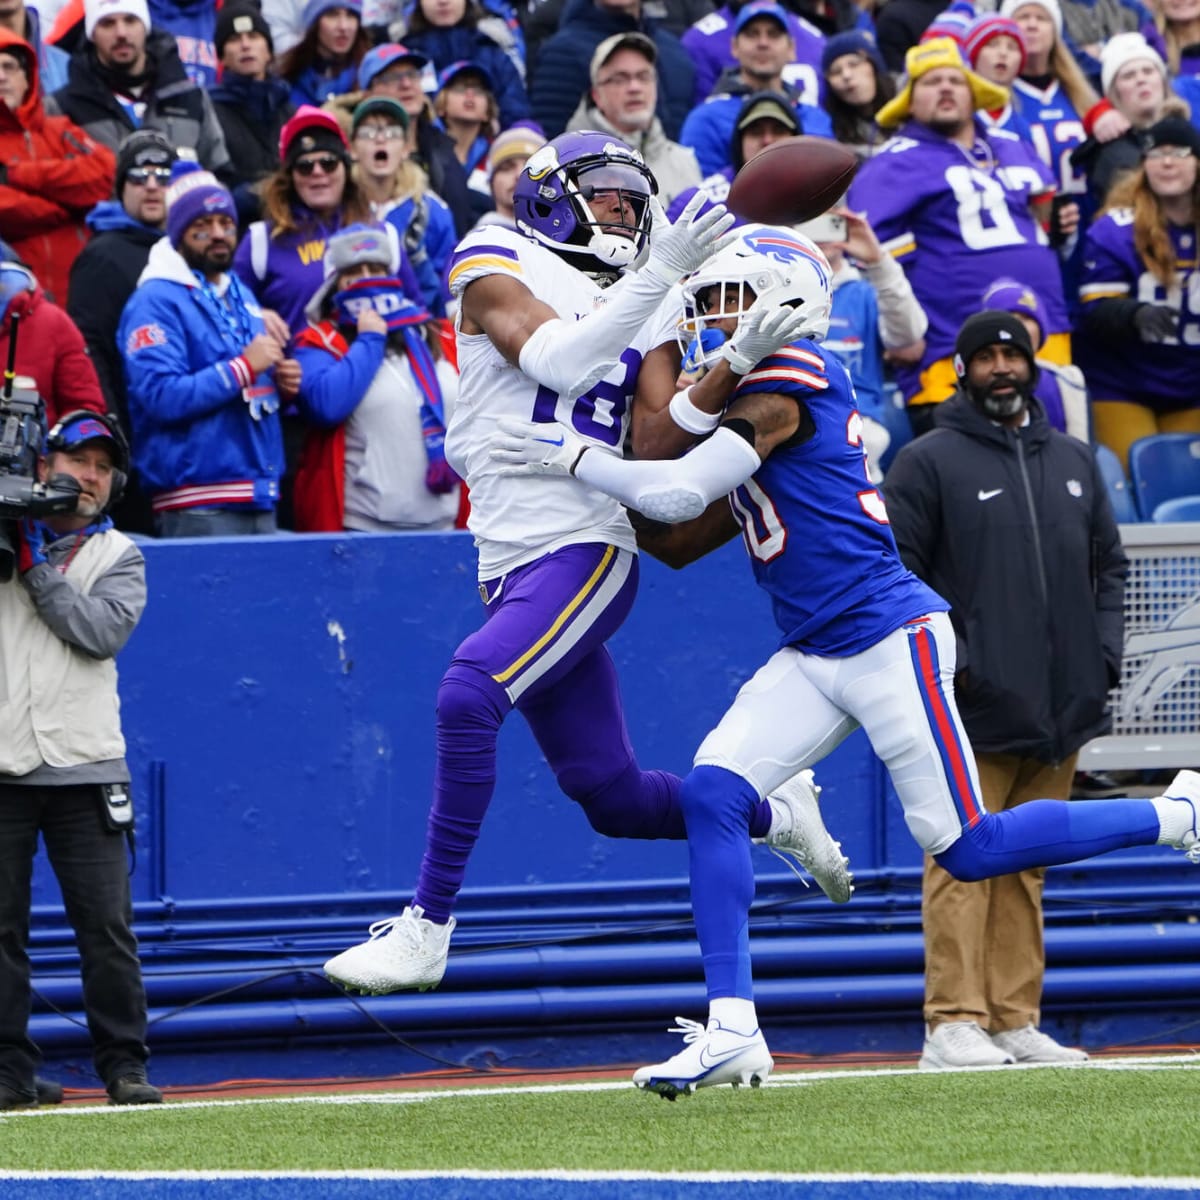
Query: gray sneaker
x=958, y=1044
x=408, y=951
x=798, y=831
x=1031, y=1045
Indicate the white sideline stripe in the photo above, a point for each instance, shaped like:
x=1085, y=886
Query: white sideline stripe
x=1164, y=1062
x=1017, y=1180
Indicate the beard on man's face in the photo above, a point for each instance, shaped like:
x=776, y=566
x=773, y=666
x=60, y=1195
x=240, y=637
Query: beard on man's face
x=211, y=258
x=1000, y=398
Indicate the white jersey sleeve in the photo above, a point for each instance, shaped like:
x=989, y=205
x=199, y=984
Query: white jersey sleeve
x=516, y=519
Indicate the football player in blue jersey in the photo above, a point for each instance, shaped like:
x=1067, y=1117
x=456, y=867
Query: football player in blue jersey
x=863, y=641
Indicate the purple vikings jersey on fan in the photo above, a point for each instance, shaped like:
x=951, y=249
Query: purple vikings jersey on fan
x=816, y=500
x=1162, y=375
x=957, y=221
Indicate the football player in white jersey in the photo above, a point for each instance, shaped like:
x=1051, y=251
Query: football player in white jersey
x=569, y=319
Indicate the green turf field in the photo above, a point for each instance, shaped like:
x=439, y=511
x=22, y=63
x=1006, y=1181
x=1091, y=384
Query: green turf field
x=1133, y=1117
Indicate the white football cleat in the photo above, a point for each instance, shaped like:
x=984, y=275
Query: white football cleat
x=798, y=830
x=711, y=1055
x=407, y=951
x=1185, y=788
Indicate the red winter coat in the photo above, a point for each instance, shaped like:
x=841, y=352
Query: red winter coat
x=54, y=174
x=51, y=351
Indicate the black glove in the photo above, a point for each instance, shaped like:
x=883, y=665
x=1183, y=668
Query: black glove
x=1154, y=322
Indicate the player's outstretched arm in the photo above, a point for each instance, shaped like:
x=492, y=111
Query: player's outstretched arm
x=674, y=491
x=570, y=357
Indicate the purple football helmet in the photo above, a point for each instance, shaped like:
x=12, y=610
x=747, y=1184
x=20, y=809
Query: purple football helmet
x=551, y=201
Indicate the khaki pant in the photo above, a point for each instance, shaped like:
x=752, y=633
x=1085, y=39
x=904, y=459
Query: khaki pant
x=984, y=957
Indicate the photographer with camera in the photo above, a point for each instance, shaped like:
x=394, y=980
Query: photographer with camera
x=79, y=591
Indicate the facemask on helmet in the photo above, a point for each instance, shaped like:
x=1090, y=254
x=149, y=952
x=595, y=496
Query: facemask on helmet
x=766, y=266
x=586, y=196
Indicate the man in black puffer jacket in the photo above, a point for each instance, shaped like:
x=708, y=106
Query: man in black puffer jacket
x=1009, y=520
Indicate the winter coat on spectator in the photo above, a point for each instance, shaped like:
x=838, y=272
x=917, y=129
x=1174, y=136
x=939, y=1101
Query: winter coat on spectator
x=198, y=438
x=459, y=43
x=674, y=166
x=710, y=127
x=709, y=43
x=103, y=278
x=676, y=16
x=192, y=24
x=174, y=105
x=51, y=352
x=284, y=272
x=53, y=172
x=899, y=25
x=53, y=61
x=251, y=113
x=562, y=70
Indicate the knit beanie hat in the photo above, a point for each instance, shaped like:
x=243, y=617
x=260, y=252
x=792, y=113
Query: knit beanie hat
x=515, y=142
x=95, y=11
x=310, y=129
x=988, y=328
x=1172, y=131
x=238, y=18
x=1008, y=295
x=347, y=248
x=1122, y=49
x=990, y=25
x=142, y=148
x=952, y=23
x=1010, y=7
x=853, y=41
x=194, y=192
x=314, y=8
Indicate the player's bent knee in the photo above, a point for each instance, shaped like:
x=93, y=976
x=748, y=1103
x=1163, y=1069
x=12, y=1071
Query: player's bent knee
x=964, y=860
x=706, y=793
x=468, y=697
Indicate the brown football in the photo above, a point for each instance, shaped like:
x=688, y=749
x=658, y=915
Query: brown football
x=792, y=180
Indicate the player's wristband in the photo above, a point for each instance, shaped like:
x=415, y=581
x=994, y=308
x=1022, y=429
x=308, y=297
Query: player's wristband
x=690, y=418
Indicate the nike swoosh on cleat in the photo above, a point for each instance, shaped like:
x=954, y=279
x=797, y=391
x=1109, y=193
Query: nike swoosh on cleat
x=708, y=1063
x=988, y=495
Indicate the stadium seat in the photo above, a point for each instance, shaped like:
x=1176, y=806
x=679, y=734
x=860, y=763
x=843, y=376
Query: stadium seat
x=1120, y=495
x=1163, y=466
x=1181, y=508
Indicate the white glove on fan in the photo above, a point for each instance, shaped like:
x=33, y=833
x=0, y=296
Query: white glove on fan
x=761, y=332
x=678, y=250
x=536, y=447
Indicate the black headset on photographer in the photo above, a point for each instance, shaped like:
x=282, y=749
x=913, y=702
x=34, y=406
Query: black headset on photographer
x=56, y=441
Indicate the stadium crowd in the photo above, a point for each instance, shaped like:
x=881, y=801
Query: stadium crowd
x=1042, y=154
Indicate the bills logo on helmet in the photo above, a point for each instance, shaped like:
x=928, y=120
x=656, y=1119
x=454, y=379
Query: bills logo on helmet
x=779, y=245
x=143, y=337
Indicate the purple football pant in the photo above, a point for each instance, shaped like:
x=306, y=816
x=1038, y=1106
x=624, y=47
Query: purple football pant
x=542, y=652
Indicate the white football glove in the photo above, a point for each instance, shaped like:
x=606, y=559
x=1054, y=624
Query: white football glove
x=535, y=447
x=761, y=332
x=678, y=250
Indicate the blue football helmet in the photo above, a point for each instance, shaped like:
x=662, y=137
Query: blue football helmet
x=552, y=195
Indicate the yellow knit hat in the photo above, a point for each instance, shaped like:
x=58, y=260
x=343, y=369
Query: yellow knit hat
x=930, y=56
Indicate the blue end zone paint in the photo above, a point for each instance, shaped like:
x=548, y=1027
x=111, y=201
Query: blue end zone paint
x=453, y=1188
